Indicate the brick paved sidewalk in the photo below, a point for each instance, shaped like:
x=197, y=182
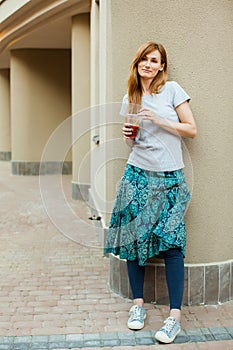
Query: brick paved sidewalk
x=54, y=286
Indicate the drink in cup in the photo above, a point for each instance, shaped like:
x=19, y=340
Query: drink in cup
x=133, y=123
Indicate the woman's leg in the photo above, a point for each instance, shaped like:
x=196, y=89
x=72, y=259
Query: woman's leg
x=174, y=264
x=137, y=312
x=136, y=275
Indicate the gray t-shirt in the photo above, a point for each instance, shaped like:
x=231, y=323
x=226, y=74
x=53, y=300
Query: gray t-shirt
x=156, y=149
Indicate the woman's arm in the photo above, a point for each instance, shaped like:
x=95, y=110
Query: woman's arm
x=186, y=127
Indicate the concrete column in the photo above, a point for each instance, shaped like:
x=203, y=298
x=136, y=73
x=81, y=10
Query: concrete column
x=105, y=114
x=5, y=139
x=96, y=149
x=40, y=101
x=97, y=192
x=80, y=103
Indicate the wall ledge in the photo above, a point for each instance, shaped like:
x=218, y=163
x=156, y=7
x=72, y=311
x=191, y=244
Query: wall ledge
x=205, y=284
x=41, y=168
x=5, y=155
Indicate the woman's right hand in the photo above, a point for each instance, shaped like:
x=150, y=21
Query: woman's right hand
x=127, y=130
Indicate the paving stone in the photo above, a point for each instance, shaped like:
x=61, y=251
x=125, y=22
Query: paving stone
x=6, y=340
x=6, y=346
x=90, y=336
x=194, y=331
x=219, y=330
x=111, y=342
x=220, y=333
x=57, y=338
x=182, y=339
x=148, y=334
x=21, y=346
x=58, y=345
x=230, y=331
x=128, y=342
x=127, y=338
x=145, y=338
x=196, y=338
x=73, y=344
x=22, y=340
x=109, y=336
x=126, y=335
x=145, y=341
x=110, y=339
x=35, y=346
x=74, y=337
x=92, y=340
x=193, y=335
x=92, y=343
x=209, y=337
x=222, y=336
x=207, y=334
x=40, y=338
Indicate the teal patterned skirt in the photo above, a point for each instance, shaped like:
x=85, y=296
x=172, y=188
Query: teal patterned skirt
x=148, y=214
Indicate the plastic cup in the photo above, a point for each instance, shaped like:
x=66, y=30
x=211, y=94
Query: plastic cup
x=133, y=121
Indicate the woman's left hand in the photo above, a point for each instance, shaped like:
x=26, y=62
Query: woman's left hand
x=185, y=127
x=148, y=114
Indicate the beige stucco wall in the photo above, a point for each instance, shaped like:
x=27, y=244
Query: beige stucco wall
x=5, y=139
x=198, y=37
x=40, y=99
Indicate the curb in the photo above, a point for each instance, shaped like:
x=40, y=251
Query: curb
x=111, y=339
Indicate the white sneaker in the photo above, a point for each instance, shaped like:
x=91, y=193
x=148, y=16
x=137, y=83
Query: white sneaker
x=168, y=333
x=137, y=316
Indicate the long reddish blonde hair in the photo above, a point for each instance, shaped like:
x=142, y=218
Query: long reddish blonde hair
x=134, y=83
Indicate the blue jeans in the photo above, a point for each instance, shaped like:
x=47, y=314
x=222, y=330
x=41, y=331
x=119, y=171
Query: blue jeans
x=174, y=266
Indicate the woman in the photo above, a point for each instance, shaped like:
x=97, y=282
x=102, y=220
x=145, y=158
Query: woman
x=148, y=216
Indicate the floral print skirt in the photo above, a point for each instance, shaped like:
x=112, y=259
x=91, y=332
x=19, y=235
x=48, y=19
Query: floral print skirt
x=148, y=214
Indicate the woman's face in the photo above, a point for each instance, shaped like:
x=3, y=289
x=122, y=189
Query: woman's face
x=150, y=65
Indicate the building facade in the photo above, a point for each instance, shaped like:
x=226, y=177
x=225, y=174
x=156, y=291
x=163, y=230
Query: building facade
x=67, y=62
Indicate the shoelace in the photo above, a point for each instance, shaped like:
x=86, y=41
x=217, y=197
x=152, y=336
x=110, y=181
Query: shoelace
x=169, y=324
x=136, y=312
